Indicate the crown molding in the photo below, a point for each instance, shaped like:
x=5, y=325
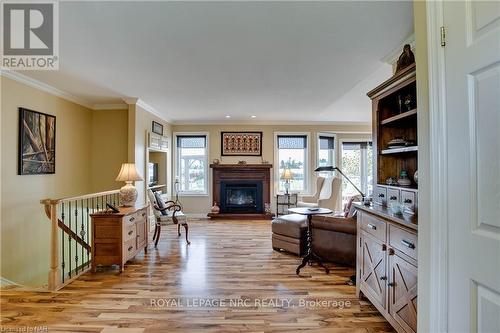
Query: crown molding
x=392, y=57
x=278, y=123
x=118, y=106
x=16, y=76
x=145, y=106
x=45, y=87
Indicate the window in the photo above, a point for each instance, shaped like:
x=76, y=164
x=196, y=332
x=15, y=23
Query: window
x=292, y=153
x=192, y=164
x=326, y=150
x=357, y=164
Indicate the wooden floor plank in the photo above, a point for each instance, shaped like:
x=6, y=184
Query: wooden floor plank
x=228, y=261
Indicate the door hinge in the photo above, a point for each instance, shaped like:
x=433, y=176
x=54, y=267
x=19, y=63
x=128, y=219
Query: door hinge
x=443, y=37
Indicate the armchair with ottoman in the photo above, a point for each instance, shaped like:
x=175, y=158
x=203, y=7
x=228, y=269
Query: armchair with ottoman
x=334, y=237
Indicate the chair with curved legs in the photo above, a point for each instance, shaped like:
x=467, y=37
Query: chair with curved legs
x=167, y=213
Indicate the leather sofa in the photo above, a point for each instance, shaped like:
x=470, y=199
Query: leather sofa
x=334, y=238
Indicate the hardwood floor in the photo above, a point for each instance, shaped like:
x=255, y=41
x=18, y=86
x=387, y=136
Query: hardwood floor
x=227, y=261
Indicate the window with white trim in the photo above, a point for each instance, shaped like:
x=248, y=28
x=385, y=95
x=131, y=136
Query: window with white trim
x=191, y=168
x=326, y=150
x=357, y=164
x=292, y=153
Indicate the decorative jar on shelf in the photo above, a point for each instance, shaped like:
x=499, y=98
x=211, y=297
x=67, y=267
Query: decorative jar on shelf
x=403, y=179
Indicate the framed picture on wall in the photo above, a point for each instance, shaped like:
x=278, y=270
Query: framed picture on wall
x=241, y=143
x=157, y=128
x=37, y=143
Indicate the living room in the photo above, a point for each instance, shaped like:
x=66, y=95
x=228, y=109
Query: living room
x=250, y=166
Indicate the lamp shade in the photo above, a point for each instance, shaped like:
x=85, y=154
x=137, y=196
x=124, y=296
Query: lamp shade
x=287, y=174
x=128, y=173
x=325, y=168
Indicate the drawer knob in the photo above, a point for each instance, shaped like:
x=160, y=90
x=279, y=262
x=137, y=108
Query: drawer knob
x=391, y=284
x=383, y=278
x=132, y=219
x=381, y=195
x=408, y=201
x=371, y=226
x=384, y=247
x=393, y=198
x=130, y=248
x=130, y=232
x=391, y=252
x=407, y=244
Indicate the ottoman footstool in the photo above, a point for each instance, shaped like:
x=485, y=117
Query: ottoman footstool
x=289, y=233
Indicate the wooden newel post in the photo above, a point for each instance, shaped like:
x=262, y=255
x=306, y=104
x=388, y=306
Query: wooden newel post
x=55, y=271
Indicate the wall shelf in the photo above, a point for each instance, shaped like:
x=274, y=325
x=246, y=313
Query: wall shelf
x=399, y=117
x=399, y=150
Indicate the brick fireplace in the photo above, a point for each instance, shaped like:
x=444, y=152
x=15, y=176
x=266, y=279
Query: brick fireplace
x=241, y=190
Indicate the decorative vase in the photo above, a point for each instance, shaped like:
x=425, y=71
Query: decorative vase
x=403, y=179
x=215, y=209
x=128, y=194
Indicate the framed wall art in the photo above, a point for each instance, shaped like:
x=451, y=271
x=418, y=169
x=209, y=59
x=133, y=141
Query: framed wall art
x=241, y=143
x=37, y=143
x=157, y=128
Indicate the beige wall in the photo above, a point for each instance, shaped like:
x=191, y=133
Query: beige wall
x=202, y=204
x=24, y=226
x=109, y=147
x=424, y=236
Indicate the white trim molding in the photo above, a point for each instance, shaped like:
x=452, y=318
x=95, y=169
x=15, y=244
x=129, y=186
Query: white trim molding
x=438, y=298
x=13, y=75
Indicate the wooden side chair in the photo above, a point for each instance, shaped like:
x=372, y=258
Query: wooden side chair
x=167, y=213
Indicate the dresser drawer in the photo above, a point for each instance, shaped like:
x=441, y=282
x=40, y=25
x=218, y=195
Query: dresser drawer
x=380, y=195
x=373, y=226
x=142, y=215
x=129, y=248
x=404, y=241
x=129, y=231
x=409, y=199
x=131, y=218
x=392, y=195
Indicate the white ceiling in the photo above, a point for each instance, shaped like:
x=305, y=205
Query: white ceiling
x=195, y=62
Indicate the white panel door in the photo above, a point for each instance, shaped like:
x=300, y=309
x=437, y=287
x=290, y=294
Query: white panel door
x=472, y=60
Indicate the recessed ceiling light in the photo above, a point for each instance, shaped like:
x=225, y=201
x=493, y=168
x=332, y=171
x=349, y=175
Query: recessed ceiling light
x=228, y=116
x=253, y=116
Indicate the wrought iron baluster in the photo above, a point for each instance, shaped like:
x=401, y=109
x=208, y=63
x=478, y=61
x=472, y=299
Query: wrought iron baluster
x=82, y=232
x=97, y=202
x=76, y=233
x=88, y=217
x=69, y=239
x=62, y=243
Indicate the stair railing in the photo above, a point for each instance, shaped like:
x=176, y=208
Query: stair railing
x=71, y=234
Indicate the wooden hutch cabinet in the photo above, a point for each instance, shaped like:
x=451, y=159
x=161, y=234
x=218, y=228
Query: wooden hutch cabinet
x=387, y=243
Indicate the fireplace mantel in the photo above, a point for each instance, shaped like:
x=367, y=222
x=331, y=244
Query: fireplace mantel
x=241, y=172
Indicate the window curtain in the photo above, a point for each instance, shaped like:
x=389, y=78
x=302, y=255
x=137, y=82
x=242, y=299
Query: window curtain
x=191, y=141
x=292, y=142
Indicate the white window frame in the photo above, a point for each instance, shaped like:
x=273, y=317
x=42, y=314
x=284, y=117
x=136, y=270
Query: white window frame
x=176, y=160
x=307, y=164
x=363, y=162
x=334, y=153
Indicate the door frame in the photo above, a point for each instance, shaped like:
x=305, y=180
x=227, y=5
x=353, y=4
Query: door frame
x=436, y=256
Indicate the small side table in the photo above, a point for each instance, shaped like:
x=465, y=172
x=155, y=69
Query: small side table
x=310, y=256
x=285, y=200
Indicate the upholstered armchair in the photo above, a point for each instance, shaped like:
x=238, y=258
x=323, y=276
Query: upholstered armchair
x=167, y=213
x=327, y=194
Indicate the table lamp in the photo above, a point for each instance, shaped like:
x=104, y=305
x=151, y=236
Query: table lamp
x=287, y=176
x=128, y=193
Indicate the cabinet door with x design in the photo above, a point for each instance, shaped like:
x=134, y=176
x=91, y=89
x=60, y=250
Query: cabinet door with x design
x=403, y=292
x=373, y=270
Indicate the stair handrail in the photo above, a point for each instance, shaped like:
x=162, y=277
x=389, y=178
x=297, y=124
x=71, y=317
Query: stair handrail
x=50, y=207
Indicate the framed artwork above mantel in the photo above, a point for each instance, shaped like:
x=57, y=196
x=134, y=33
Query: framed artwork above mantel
x=241, y=143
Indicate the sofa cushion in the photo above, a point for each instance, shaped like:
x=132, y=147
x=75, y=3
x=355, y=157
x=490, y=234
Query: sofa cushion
x=338, y=224
x=291, y=225
x=160, y=203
